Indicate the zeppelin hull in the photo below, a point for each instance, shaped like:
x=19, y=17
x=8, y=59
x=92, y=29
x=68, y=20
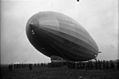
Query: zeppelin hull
x=54, y=34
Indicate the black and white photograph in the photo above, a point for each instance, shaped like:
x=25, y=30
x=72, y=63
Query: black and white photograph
x=59, y=39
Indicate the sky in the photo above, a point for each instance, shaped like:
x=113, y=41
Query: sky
x=98, y=17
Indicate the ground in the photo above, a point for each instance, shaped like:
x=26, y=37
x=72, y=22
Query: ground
x=57, y=73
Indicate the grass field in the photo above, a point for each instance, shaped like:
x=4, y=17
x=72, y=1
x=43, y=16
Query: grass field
x=57, y=73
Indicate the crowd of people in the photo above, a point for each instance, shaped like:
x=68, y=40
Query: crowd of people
x=88, y=65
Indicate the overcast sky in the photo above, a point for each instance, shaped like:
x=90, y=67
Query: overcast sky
x=98, y=17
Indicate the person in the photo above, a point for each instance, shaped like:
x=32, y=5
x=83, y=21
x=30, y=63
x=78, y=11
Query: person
x=77, y=0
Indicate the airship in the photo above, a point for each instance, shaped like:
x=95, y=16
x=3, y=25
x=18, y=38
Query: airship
x=56, y=34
